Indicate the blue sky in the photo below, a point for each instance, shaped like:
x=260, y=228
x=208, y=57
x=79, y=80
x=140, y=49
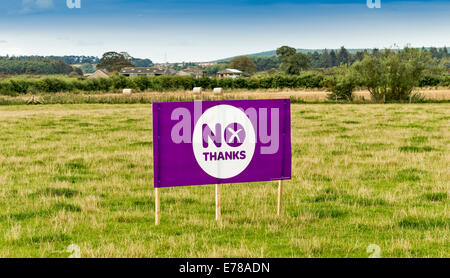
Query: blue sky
x=199, y=30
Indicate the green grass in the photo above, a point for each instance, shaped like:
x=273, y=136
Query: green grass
x=362, y=174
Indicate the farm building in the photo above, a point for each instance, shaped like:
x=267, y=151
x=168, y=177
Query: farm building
x=230, y=73
x=196, y=73
x=99, y=74
x=141, y=71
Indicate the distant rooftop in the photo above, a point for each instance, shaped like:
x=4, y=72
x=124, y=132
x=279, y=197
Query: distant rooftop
x=141, y=70
x=230, y=71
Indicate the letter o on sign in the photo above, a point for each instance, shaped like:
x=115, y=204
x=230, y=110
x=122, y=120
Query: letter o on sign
x=237, y=138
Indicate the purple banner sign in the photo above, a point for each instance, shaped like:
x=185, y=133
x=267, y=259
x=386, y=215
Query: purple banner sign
x=216, y=142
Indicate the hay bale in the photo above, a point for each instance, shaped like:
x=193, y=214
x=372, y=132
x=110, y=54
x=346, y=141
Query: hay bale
x=218, y=91
x=127, y=91
x=197, y=90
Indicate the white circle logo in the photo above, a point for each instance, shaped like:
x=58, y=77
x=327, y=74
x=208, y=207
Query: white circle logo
x=224, y=141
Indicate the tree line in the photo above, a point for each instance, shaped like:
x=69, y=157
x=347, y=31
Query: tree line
x=317, y=59
x=35, y=65
x=63, y=64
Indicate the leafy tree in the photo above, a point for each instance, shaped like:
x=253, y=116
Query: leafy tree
x=286, y=51
x=113, y=61
x=294, y=64
x=333, y=58
x=87, y=68
x=392, y=76
x=446, y=63
x=266, y=63
x=214, y=69
x=342, y=84
x=243, y=63
x=315, y=60
x=33, y=65
x=326, y=59
x=343, y=56
x=127, y=56
x=142, y=62
x=291, y=61
x=375, y=52
x=434, y=52
x=360, y=55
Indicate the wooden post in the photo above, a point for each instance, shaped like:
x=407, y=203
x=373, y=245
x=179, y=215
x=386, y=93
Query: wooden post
x=280, y=195
x=218, y=214
x=157, y=206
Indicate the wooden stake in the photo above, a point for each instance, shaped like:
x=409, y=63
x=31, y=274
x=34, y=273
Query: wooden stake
x=280, y=195
x=157, y=206
x=218, y=214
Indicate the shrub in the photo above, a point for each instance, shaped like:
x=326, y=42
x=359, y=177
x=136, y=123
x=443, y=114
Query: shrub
x=342, y=84
x=392, y=76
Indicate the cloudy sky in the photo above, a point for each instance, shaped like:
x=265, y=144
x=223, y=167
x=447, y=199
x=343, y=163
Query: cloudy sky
x=203, y=30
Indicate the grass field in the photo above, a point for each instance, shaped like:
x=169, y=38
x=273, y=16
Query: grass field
x=362, y=174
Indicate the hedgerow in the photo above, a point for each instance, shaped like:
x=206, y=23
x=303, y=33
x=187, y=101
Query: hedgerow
x=16, y=86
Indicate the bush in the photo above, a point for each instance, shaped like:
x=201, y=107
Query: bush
x=342, y=84
x=392, y=76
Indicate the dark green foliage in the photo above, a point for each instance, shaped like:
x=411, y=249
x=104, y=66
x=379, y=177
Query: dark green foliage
x=392, y=76
x=33, y=65
x=113, y=61
x=292, y=62
x=156, y=83
x=243, y=63
x=342, y=84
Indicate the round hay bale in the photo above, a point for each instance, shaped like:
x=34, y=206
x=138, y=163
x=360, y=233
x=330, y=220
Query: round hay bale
x=127, y=91
x=218, y=91
x=197, y=90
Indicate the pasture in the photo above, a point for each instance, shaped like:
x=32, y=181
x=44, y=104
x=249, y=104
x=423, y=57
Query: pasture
x=362, y=174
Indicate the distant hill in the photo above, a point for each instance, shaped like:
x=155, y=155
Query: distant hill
x=271, y=53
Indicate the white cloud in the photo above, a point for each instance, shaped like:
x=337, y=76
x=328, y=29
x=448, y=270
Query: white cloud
x=3, y=41
x=30, y=6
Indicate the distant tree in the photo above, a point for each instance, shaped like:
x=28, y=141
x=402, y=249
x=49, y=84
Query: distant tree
x=214, y=69
x=343, y=56
x=266, y=63
x=78, y=71
x=291, y=61
x=445, y=62
x=375, y=52
x=393, y=75
x=142, y=62
x=342, y=83
x=286, y=51
x=294, y=64
x=127, y=56
x=333, y=58
x=113, y=61
x=360, y=55
x=325, y=59
x=33, y=65
x=243, y=63
x=315, y=61
x=433, y=52
x=444, y=52
x=87, y=68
